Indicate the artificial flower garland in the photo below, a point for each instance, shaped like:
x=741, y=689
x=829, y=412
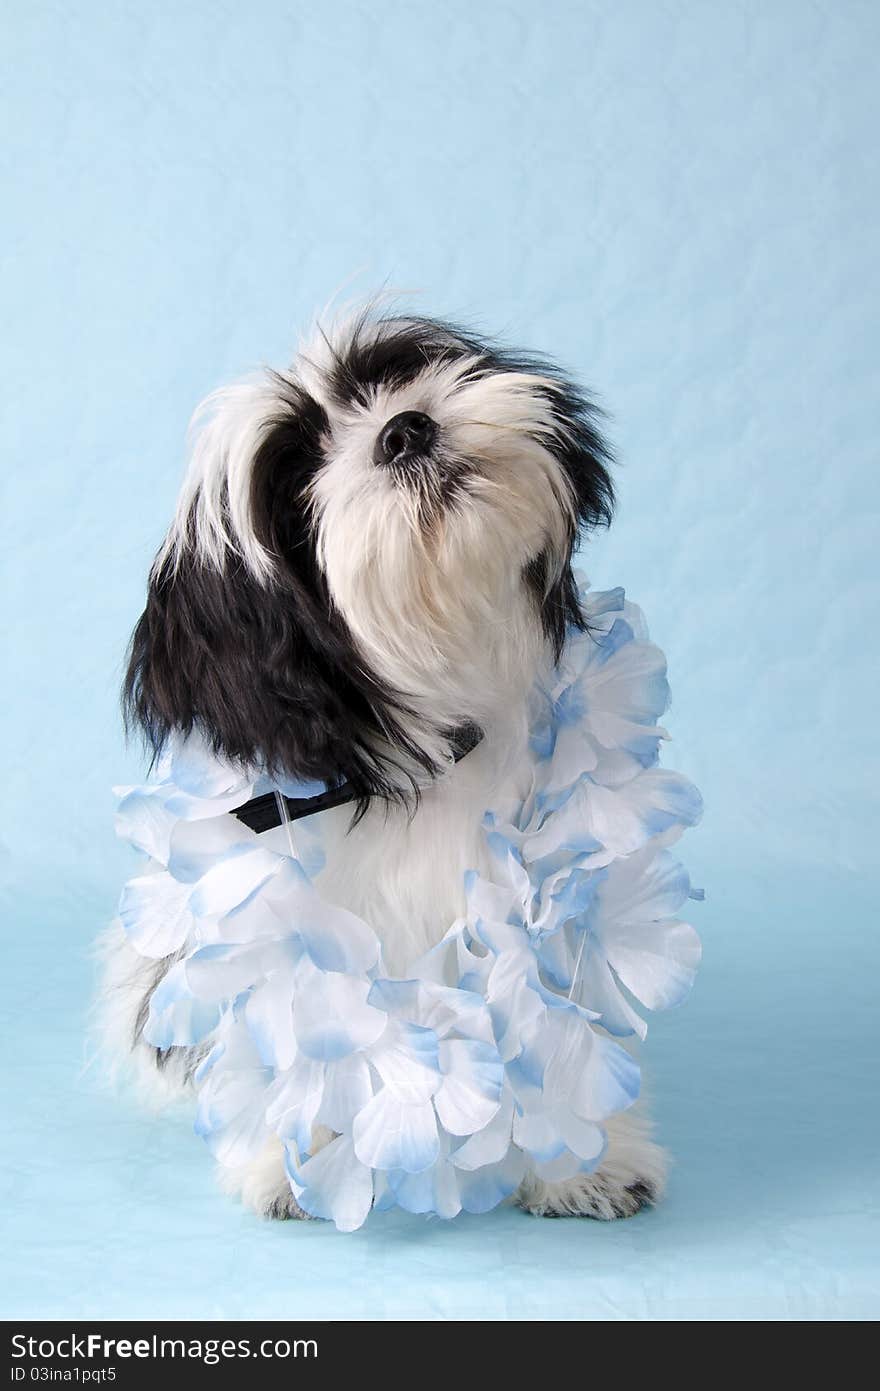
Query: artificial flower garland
x=497, y=1054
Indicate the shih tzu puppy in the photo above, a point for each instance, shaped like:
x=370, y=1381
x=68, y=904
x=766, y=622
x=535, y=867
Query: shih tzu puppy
x=368, y=569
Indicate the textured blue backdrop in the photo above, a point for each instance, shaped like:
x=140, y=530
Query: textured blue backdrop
x=680, y=201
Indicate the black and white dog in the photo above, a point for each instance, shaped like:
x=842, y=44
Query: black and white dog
x=372, y=552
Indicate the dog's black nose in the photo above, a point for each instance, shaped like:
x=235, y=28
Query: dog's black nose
x=409, y=433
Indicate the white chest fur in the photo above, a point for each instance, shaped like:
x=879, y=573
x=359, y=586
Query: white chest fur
x=403, y=872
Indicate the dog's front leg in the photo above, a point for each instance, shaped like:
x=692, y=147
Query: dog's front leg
x=631, y=1176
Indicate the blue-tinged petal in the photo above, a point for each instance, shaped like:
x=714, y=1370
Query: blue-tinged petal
x=196, y=846
x=643, y=887
x=144, y=821
x=488, y=901
x=583, y=1138
x=407, y=1059
x=514, y=1005
x=269, y=1017
x=335, y=939
x=155, y=914
x=198, y=771
x=490, y=1144
x=586, y=1071
x=299, y=787
x=618, y=635
x=220, y=971
x=444, y=1008
x=597, y=603
x=334, y=1185
x=571, y=830
x=561, y=1167
x=331, y=1016
x=622, y=819
x=568, y=893
x=176, y=1019
x=556, y=959
x=525, y=1072
x=293, y=1101
x=502, y=938
x=230, y=882
x=397, y=997
x=483, y=1189
x=608, y=1082
x=657, y=962
x=537, y=1133
x=434, y=1191
x=438, y=1007
x=261, y=917
x=231, y=1108
x=391, y=1134
x=439, y=965
x=209, y=1062
x=460, y=1009
x=180, y=803
x=470, y=1093
x=348, y=1087
x=597, y=983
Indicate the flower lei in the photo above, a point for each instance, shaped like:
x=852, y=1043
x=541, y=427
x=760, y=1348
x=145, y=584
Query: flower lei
x=498, y=1053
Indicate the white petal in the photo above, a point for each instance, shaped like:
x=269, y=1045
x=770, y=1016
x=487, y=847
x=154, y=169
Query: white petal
x=200, y=772
x=644, y=887
x=608, y=1082
x=269, y=1016
x=389, y=1134
x=220, y=971
x=656, y=961
x=155, y=913
x=433, y=1191
x=599, y=986
x=176, y=1018
x=331, y=1016
x=293, y=1102
x=584, y=1138
x=538, y=1134
x=196, y=846
x=406, y=1057
x=335, y=939
x=144, y=821
x=335, y=1186
x=483, y=1189
x=231, y=1113
x=564, y=1165
x=232, y=880
x=347, y=1089
x=489, y=1145
x=470, y=1094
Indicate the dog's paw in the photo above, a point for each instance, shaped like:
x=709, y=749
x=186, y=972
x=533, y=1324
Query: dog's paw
x=283, y=1207
x=588, y=1195
x=632, y=1175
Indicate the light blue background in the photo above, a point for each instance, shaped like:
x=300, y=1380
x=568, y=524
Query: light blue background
x=679, y=200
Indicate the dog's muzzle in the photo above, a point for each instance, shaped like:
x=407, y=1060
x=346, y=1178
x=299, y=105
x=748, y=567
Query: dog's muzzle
x=406, y=437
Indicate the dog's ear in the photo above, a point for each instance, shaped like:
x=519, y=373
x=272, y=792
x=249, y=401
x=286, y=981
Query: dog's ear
x=260, y=662
x=584, y=458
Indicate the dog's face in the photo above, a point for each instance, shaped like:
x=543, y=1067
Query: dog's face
x=368, y=549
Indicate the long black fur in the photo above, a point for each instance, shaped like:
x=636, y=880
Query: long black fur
x=267, y=672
